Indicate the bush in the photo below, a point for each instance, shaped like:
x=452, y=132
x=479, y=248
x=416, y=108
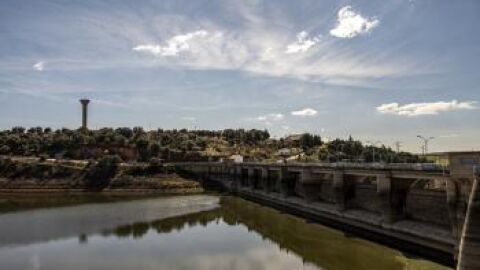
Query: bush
x=98, y=174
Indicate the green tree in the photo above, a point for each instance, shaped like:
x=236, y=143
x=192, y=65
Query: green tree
x=98, y=174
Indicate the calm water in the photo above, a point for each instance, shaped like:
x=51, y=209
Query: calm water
x=207, y=232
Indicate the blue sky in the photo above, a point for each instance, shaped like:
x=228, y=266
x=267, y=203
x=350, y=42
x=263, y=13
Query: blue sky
x=378, y=70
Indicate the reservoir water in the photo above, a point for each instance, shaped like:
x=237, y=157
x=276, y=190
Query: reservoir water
x=178, y=232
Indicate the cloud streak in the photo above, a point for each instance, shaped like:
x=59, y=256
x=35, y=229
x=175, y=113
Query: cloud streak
x=39, y=66
x=270, y=117
x=307, y=112
x=302, y=44
x=418, y=109
x=351, y=24
x=174, y=46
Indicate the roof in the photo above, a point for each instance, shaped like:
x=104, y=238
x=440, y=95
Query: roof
x=294, y=137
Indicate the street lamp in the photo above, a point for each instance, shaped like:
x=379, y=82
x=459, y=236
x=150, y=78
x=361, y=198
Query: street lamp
x=342, y=146
x=374, y=144
x=425, y=143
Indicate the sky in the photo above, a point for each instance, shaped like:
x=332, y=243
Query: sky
x=381, y=71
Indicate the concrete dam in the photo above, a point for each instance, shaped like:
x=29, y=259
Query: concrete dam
x=430, y=210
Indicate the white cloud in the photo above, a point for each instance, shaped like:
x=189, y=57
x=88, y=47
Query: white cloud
x=305, y=112
x=448, y=136
x=432, y=108
x=188, y=118
x=302, y=44
x=174, y=45
x=270, y=117
x=40, y=66
x=350, y=24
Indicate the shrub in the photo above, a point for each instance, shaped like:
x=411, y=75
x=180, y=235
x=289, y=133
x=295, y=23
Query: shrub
x=98, y=174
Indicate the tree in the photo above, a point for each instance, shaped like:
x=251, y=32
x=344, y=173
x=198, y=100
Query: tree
x=155, y=149
x=18, y=130
x=143, y=149
x=98, y=174
x=125, y=132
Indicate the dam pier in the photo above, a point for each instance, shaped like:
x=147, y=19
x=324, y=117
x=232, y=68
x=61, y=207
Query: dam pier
x=430, y=210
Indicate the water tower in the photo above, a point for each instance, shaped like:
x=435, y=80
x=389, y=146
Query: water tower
x=84, y=112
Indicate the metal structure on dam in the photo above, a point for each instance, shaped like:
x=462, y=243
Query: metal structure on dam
x=423, y=207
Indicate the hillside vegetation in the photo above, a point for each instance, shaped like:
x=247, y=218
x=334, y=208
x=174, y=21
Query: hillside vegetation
x=105, y=173
x=136, y=144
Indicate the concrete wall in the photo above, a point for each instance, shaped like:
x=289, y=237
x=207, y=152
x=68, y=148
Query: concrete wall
x=366, y=197
x=428, y=205
x=326, y=191
x=390, y=197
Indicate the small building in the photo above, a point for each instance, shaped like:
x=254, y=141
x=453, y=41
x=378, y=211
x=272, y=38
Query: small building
x=284, y=152
x=235, y=159
x=289, y=154
x=294, y=138
x=461, y=163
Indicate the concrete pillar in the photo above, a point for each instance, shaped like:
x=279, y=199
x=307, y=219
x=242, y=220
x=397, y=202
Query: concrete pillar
x=251, y=178
x=237, y=173
x=283, y=178
x=453, y=198
x=237, y=178
x=385, y=191
x=393, y=196
x=264, y=180
x=309, y=189
x=339, y=188
x=209, y=172
x=469, y=252
x=244, y=177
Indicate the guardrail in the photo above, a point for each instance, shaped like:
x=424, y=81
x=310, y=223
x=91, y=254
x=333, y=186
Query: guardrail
x=339, y=165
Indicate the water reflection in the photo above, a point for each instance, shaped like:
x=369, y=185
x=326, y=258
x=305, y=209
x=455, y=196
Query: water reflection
x=237, y=235
x=41, y=225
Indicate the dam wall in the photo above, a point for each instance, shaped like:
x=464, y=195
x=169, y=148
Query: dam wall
x=414, y=208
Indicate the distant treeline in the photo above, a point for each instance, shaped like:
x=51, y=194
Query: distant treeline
x=179, y=145
x=133, y=143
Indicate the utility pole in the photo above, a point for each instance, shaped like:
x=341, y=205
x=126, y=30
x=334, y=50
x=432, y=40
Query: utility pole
x=373, y=144
x=425, y=141
x=398, y=144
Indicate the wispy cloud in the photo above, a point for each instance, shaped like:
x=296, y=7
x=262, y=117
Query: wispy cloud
x=263, y=50
x=302, y=44
x=305, y=112
x=39, y=66
x=111, y=103
x=257, y=48
x=188, y=118
x=448, y=136
x=270, y=117
x=351, y=24
x=432, y=108
x=174, y=45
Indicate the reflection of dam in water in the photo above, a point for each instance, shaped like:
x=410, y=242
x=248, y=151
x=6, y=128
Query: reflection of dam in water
x=321, y=246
